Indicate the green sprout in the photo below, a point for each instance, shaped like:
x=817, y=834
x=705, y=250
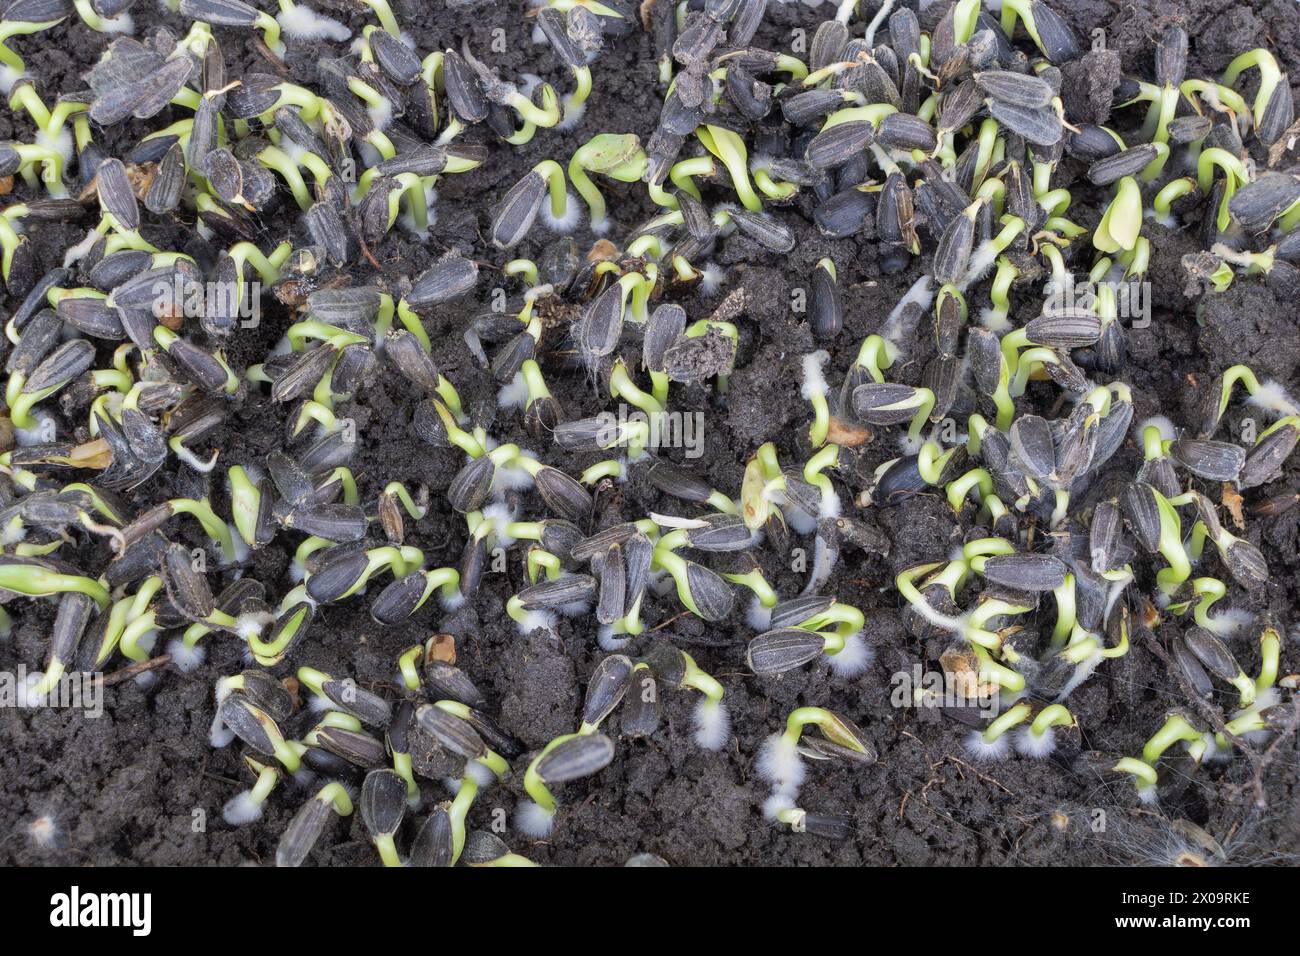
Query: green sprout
x=1122, y=222
x=1235, y=175
x=1270, y=77
x=618, y=156
x=729, y=147
x=33, y=580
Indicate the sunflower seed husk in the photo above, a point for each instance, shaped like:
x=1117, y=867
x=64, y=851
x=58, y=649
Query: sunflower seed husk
x=605, y=690
x=1142, y=514
x=576, y=758
x=1033, y=573
x=570, y=589
x=1211, y=460
x=778, y=651
x=451, y=277
x=451, y=732
x=1041, y=126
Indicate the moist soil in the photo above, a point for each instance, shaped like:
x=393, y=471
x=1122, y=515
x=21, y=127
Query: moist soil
x=128, y=787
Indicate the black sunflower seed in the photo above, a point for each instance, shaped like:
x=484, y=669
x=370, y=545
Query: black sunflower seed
x=451, y=277
x=778, y=651
x=885, y=403
x=451, y=732
x=1212, y=653
x=470, y=489
x=1040, y=126
x=1265, y=460
x=1018, y=89
x=712, y=595
x=69, y=361
x=1190, y=667
x=1129, y=162
x=906, y=132
x=186, y=588
x=765, y=229
x=383, y=797
x=605, y=690
x=1211, y=460
x=1142, y=513
x=611, y=573
x=576, y=758
x=570, y=589
x=1065, y=329
x=836, y=146
x=116, y=194
x=1033, y=446
x=1033, y=573
x=1246, y=564
x=825, y=306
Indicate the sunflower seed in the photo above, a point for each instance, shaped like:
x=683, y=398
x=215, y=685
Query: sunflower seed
x=906, y=132
x=186, y=588
x=449, y=278
x=1129, y=162
x=1041, y=126
x=1018, y=89
x=1265, y=460
x=165, y=191
x=333, y=522
x=91, y=316
x=365, y=706
x=953, y=253
x=606, y=688
x=1065, y=329
x=357, y=748
x=1211, y=460
x=116, y=194
x=1142, y=514
x=383, y=795
x=885, y=403
x=1033, y=573
x=765, y=229
x=1105, y=536
x=837, y=145
x=570, y=589
x=451, y=732
x=1191, y=669
x=711, y=594
x=69, y=361
x=1055, y=36
x=1212, y=653
x=1256, y=205
x=1246, y=564
x=470, y=488
x=825, y=307
x=1279, y=113
x=845, y=214
x=778, y=651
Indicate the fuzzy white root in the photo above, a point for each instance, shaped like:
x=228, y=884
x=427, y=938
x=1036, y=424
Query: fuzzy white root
x=1029, y=744
x=241, y=809
x=712, y=724
x=779, y=763
x=185, y=658
x=853, y=659
x=982, y=750
x=569, y=221
x=534, y=819
x=303, y=23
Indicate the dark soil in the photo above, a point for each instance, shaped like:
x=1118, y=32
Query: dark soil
x=127, y=788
